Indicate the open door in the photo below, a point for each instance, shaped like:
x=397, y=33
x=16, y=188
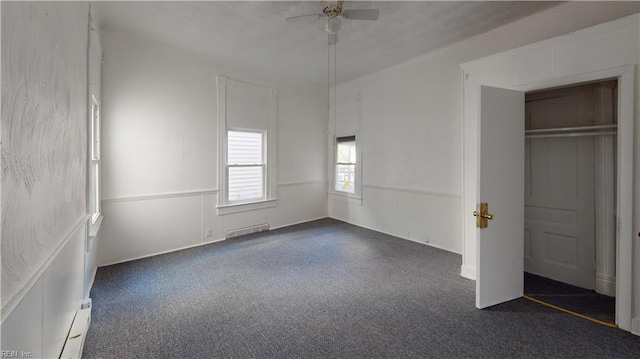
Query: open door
x=500, y=251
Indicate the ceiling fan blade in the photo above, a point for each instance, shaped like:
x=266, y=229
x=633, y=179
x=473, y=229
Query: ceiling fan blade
x=333, y=39
x=305, y=18
x=361, y=14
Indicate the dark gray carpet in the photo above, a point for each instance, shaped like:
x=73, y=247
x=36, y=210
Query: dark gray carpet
x=579, y=300
x=324, y=289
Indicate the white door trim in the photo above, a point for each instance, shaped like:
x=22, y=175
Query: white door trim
x=624, y=234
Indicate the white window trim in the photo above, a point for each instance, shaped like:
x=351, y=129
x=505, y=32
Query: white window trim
x=246, y=206
x=270, y=187
x=336, y=163
x=95, y=217
x=265, y=168
x=353, y=198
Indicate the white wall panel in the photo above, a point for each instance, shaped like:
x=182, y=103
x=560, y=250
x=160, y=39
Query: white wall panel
x=584, y=54
x=133, y=229
x=62, y=294
x=632, y=47
x=533, y=65
x=210, y=219
x=22, y=329
x=91, y=265
x=615, y=47
x=142, y=227
x=39, y=324
x=429, y=218
x=245, y=219
x=299, y=203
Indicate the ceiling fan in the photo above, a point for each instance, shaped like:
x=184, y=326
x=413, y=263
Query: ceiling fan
x=332, y=10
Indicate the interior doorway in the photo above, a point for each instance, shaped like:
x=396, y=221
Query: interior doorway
x=570, y=197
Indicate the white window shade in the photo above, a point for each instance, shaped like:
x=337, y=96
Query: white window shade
x=244, y=148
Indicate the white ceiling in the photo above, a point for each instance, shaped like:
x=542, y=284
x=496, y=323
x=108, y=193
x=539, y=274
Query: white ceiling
x=255, y=35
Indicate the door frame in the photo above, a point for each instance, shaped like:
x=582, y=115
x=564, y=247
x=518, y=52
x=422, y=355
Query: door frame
x=624, y=206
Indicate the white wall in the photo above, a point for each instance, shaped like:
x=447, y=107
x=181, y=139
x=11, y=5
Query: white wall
x=411, y=152
x=44, y=87
x=160, y=149
x=412, y=135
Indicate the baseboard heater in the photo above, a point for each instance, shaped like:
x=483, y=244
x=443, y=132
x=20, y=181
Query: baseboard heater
x=247, y=230
x=75, y=340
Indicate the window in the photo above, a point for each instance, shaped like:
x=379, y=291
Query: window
x=94, y=166
x=247, y=130
x=345, y=164
x=246, y=166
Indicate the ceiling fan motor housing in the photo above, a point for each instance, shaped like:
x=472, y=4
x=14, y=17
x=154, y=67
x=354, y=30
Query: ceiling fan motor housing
x=332, y=10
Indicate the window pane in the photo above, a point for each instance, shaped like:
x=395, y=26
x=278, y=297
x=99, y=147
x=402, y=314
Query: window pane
x=346, y=152
x=245, y=183
x=94, y=198
x=95, y=125
x=345, y=178
x=244, y=148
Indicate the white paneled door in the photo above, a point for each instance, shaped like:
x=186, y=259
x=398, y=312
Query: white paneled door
x=500, y=246
x=559, y=227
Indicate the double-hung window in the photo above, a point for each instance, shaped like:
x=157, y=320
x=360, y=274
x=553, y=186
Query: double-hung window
x=345, y=164
x=247, y=130
x=94, y=167
x=246, y=166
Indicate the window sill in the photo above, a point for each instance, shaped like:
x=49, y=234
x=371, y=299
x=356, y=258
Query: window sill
x=94, y=226
x=345, y=197
x=246, y=206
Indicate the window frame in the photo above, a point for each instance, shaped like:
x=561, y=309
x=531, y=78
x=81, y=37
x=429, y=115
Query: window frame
x=269, y=199
x=337, y=163
x=343, y=196
x=95, y=168
x=264, y=165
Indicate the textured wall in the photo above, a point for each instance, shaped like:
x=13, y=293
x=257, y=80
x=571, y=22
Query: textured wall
x=43, y=134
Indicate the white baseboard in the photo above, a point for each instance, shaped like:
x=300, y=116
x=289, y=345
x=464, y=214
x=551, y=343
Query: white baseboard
x=197, y=245
x=397, y=235
x=75, y=340
x=635, y=326
x=605, y=284
x=468, y=272
x=163, y=252
x=300, y=222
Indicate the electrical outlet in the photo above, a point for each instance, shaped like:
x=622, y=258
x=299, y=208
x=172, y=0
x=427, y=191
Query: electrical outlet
x=209, y=233
x=426, y=238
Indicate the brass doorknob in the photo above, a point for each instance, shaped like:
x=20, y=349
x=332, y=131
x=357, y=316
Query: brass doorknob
x=482, y=216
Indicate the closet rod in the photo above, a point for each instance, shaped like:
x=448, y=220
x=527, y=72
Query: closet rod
x=569, y=129
x=579, y=134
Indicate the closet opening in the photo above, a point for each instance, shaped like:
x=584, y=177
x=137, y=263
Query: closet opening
x=570, y=198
